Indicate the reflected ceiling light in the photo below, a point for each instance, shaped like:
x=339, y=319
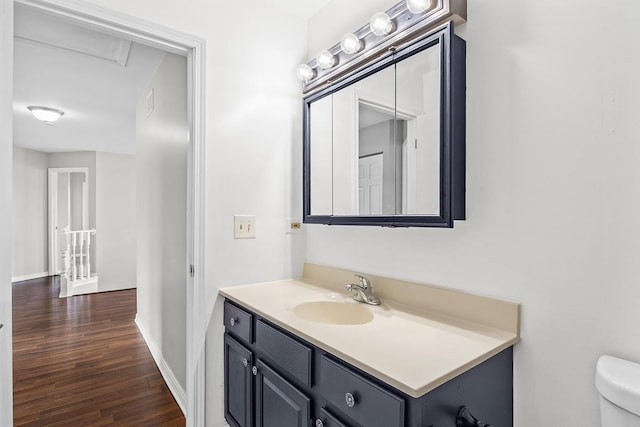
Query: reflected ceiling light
x=419, y=6
x=305, y=72
x=351, y=44
x=46, y=114
x=326, y=60
x=381, y=24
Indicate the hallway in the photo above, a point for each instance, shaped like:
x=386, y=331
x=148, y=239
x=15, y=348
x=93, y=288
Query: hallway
x=81, y=361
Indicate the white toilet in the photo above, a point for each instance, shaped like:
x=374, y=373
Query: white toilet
x=618, y=382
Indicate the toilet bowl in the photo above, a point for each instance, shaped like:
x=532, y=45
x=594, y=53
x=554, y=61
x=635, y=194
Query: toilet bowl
x=618, y=382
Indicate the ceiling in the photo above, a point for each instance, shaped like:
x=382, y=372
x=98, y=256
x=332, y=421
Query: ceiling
x=96, y=79
x=304, y=9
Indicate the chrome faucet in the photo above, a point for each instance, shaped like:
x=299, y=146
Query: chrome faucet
x=362, y=292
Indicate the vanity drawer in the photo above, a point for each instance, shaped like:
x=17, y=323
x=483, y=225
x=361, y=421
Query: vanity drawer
x=328, y=420
x=359, y=398
x=238, y=322
x=289, y=354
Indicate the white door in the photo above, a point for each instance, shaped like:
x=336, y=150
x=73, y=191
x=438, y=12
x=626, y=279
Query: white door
x=6, y=125
x=61, y=220
x=370, y=185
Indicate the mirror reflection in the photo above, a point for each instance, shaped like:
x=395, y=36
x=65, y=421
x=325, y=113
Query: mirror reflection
x=375, y=145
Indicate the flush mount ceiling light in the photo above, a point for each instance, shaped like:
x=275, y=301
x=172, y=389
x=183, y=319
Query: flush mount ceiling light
x=326, y=60
x=351, y=44
x=46, y=114
x=419, y=6
x=381, y=24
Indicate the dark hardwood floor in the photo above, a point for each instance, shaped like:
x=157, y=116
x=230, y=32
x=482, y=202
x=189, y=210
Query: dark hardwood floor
x=81, y=361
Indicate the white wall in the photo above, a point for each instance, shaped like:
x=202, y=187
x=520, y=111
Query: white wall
x=253, y=145
x=6, y=156
x=161, y=184
x=553, y=206
x=111, y=212
x=116, y=220
x=30, y=228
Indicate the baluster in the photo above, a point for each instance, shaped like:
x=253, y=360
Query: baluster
x=81, y=236
x=88, y=254
x=73, y=257
x=67, y=257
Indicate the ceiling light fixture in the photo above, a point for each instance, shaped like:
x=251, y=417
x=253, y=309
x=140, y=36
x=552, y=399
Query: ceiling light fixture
x=326, y=60
x=381, y=24
x=419, y=6
x=305, y=73
x=351, y=44
x=384, y=33
x=46, y=114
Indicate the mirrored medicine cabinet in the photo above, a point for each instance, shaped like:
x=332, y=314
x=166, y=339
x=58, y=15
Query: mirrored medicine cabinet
x=385, y=144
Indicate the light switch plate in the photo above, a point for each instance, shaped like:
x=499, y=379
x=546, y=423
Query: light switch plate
x=244, y=226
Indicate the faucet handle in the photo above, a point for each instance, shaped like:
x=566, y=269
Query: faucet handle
x=363, y=281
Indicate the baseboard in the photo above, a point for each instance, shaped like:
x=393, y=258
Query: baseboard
x=171, y=380
x=102, y=287
x=30, y=276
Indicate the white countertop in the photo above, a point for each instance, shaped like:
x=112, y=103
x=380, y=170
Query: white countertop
x=407, y=347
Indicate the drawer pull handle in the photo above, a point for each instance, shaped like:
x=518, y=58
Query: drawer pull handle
x=245, y=362
x=234, y=321
x=319, y=423
x=350, y=400
x=254, y=370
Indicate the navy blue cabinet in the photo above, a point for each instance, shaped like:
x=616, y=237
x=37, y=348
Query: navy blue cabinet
x=278, y=402
x=238, y=383
x=276, y=379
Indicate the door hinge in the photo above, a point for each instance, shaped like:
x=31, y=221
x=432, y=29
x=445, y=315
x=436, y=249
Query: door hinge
x=192, y=270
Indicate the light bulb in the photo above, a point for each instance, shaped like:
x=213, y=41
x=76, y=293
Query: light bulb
x=305, y=73
x=325, y=60
x=351, y=44
x=46, y=114
x=419, y=6
x=381, y=24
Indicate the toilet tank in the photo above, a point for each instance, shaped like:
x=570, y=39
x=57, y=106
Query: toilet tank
x=618, y=382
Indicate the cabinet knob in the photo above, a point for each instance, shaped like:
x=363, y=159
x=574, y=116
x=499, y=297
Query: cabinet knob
x=350, y=400
x=254, y=370
x=245, y=362
x=319, y=423
x=465, y=419
x=234, y=321
x=1, y=325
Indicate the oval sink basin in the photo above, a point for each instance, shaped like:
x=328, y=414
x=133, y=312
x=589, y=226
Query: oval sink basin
x=333, y=312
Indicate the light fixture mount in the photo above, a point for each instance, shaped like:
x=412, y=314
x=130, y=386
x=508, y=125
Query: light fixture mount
x=426, y=16
x=46, y=114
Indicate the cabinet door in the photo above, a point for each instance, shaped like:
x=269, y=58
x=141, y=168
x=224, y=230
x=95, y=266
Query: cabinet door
x=278, y=403
x=238, y=384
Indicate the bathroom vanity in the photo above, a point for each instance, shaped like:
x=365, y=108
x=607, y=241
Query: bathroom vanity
x=302, y=352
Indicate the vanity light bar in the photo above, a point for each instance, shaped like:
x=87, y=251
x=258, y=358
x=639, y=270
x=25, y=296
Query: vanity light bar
x=400, y=24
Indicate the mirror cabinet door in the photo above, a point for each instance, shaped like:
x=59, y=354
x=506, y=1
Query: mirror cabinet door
x=321, y=152
x=363, y=152
x=418, y=109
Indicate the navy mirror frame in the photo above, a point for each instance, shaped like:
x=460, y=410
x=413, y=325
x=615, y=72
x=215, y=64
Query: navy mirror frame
x=452, y=135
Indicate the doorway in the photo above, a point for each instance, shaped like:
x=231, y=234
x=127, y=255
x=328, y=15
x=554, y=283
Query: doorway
x=68, y=210
x=192, y=48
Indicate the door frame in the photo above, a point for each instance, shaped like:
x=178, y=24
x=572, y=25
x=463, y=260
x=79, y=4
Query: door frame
x=52, y=196
x=170, y=40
